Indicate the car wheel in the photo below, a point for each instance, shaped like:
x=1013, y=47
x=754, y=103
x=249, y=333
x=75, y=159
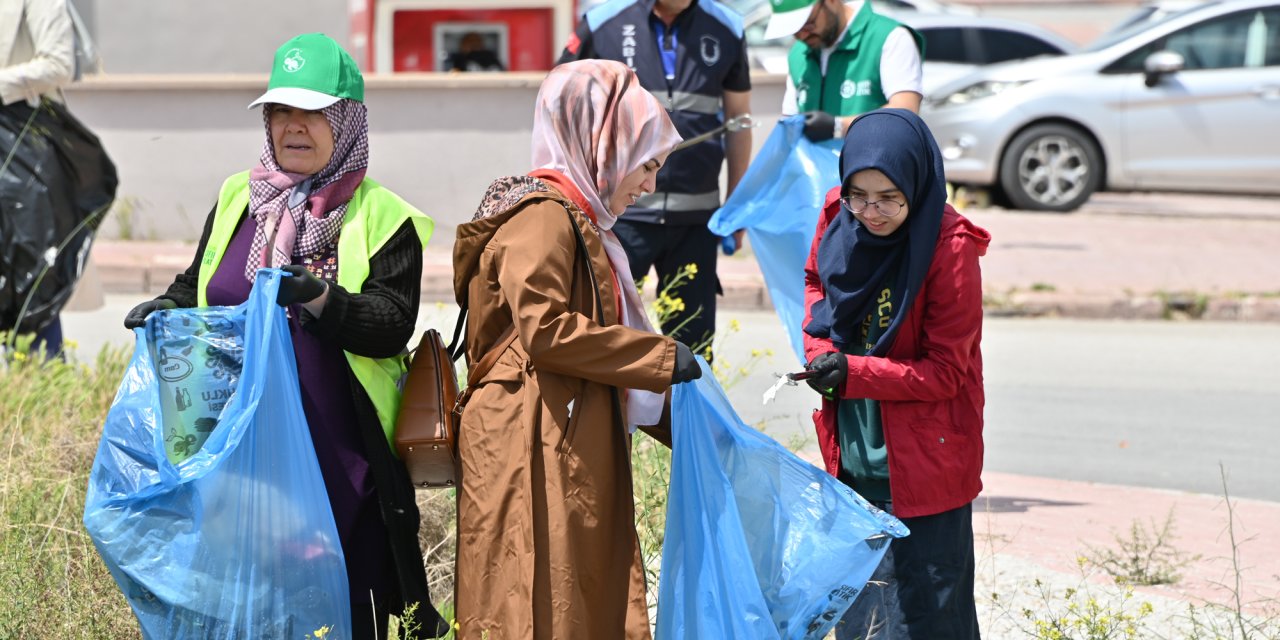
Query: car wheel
x=1050, y=167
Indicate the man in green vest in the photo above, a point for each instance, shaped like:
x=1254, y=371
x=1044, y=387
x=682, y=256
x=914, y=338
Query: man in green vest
x=847, y=60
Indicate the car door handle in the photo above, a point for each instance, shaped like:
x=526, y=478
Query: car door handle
x=1268, y=92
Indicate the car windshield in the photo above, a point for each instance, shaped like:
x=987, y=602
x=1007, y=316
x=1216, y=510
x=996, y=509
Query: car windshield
x=1145, y=19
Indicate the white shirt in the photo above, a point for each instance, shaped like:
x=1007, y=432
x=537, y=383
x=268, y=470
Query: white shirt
x=37, y=49
x=900, y=68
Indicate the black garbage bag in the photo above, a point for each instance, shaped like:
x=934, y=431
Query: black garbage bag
x=56, y=183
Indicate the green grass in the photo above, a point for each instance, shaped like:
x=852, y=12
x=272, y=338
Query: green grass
x=52, y=582
x=54, y=585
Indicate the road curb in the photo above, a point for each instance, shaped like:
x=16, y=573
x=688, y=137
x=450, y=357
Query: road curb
x=149, y=272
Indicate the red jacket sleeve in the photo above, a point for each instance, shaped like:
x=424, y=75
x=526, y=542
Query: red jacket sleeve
x=813, y=291
x=949, y=326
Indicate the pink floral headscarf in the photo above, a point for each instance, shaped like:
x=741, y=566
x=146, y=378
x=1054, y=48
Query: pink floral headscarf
x=595, y=124
x=305, y=222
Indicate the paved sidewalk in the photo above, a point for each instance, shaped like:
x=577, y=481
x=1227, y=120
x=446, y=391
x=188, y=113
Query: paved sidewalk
x=1051, y=523
x=1028, y=528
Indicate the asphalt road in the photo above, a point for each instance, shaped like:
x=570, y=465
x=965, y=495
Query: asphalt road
x=1153, y=404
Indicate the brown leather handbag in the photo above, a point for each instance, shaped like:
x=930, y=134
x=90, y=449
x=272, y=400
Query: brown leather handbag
x=426, y=434
x=431, y=407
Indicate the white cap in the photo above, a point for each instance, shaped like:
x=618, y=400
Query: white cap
x=787, y=23
x=296, y=97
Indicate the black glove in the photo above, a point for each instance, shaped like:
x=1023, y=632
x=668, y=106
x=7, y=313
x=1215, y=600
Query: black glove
x=299, y=286
x=687, y=367
x=138, y=315
x=832, y=369
x=819, y=126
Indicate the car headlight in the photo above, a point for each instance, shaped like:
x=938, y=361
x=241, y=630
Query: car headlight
x=978, y=91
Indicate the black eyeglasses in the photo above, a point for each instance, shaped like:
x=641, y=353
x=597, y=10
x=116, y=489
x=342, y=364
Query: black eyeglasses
x=887, y=208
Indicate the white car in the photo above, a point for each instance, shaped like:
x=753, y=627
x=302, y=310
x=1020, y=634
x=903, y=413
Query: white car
x=1187, y=102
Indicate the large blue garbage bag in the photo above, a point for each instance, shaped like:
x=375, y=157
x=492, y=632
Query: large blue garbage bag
x=777, y=202
x=759, y=543
x=205, y=499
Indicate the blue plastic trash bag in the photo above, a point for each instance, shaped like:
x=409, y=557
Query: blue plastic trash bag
x=236, y=538
x=759, y=543
x=778, y=202
x=201, y=353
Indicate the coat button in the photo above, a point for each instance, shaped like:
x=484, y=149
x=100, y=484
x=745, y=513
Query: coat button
x=941, y=440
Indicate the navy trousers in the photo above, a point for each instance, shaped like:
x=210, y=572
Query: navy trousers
x=49, y=339
x=667, y=248
x=923, y=588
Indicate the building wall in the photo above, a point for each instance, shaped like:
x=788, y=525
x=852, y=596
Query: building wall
x=223, y=36
x=437, y=140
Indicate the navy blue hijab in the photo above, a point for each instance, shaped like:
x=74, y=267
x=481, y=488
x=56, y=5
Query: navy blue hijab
x=853, y=263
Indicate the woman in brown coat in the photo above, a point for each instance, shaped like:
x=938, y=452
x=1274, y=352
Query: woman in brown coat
x=547, y=545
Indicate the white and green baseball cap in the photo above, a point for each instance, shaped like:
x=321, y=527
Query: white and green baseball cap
x=312, y=72
x=788, y=16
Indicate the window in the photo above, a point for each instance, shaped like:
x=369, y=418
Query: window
x=946, y=44
x=466, y=46
x=1244, y=39
x=999, y=45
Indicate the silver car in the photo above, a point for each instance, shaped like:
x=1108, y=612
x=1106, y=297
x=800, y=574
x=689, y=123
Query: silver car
x=957, y=41
x=1187, y=102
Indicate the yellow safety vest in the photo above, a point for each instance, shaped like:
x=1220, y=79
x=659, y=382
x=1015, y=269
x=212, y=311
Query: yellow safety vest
x=374, y=214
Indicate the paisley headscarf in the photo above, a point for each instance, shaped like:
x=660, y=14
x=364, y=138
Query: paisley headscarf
x=854, y=263
x=299, y=214
x=595, y=124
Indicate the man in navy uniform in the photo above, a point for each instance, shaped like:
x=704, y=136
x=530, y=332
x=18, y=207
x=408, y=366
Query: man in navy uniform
x=691, y=55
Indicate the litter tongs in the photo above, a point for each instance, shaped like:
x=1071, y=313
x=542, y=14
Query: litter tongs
x=789, y=379
x=732, y=125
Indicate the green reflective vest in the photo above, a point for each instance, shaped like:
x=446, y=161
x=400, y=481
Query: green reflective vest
x=374, y=214
x=852, y=84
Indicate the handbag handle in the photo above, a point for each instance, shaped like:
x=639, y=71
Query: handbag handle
x=458, y=344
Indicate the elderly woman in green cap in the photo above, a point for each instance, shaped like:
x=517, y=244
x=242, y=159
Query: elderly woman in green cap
x=353, y=250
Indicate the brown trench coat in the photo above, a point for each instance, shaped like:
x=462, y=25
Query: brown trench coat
x=547, y=544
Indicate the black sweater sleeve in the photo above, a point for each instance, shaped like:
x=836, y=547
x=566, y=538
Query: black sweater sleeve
x=183, y=290
x=377, y=322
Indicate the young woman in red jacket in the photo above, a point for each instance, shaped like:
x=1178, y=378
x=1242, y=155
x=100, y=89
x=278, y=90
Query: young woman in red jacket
x=893, y=327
